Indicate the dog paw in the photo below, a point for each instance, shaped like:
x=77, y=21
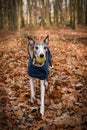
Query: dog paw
x=38, y=102
x=42, y=111
x=43, y=117
x=33, y=99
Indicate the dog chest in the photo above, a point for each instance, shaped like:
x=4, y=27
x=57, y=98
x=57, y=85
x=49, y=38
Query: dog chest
x=38, y=72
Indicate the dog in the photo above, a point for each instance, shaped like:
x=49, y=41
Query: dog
x=38, y=66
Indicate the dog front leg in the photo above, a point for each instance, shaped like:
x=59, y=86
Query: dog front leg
x=42, y=97
x=32, y=89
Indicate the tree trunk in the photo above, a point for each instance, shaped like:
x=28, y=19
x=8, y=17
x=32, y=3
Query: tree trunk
x=48, y=17
x=43, y=14
x=86, y=14
x=56, y=13
x=73, y=14
x=66, y=9
x=12, y=14
x=1, y=14
x=29, y=3
x=20, y=15
x=84, y=10
x=61, y=11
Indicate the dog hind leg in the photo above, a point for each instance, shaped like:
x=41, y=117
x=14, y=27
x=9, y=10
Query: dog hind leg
x=46, y=84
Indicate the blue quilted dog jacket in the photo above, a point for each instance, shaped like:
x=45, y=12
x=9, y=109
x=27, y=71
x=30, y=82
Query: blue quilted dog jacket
x=40, y=72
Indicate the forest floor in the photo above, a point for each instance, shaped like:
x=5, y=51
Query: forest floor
x=66, y=97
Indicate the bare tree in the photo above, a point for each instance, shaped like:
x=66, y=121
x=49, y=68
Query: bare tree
x=20, y=14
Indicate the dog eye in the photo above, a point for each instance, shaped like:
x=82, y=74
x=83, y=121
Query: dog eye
x=36, y=47
x=45, y=47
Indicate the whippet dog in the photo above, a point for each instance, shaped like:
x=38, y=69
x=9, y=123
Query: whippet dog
x=38, y=66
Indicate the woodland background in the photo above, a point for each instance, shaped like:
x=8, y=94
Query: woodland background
x=15, y=14
x=65, y=21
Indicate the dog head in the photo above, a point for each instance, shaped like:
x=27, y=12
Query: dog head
x=37, y=50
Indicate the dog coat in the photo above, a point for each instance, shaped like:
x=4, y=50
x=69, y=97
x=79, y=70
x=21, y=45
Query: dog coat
x=40, y=72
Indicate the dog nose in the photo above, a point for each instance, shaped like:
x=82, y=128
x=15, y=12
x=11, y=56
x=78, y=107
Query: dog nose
x=41, y=55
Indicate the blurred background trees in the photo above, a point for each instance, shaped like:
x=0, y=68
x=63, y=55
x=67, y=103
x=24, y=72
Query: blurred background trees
x=15, y=14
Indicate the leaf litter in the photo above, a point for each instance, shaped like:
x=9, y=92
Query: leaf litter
x=66, y=96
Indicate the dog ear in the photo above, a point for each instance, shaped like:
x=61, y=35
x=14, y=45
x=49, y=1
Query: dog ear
x=30, y=47
x=46, y=40
x=31, y=42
